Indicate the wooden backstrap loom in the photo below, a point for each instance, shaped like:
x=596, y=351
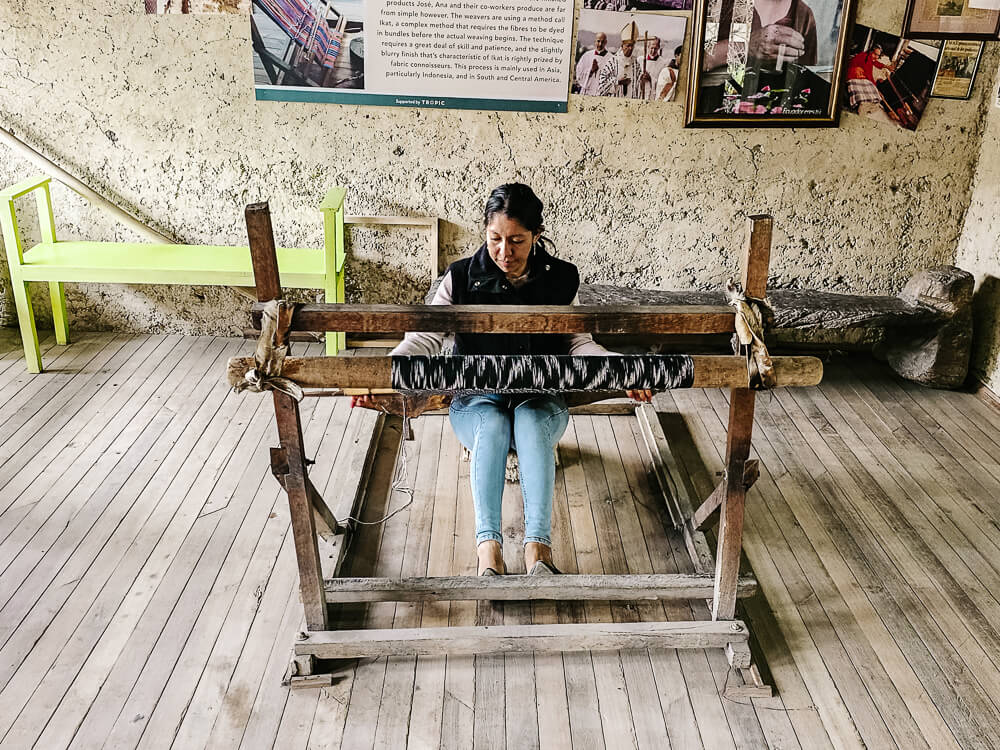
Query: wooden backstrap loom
x=716, y=578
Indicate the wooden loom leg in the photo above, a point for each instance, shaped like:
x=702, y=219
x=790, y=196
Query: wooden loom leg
x=727, y=562
x=286, y=411
x=741, y=407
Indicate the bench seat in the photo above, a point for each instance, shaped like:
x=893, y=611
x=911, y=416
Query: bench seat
x=56, y=262
x=144, y=263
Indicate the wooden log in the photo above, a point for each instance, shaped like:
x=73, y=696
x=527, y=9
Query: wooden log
x=604, y=319
x=485, y=639
x=374, y=374
x=521, y=588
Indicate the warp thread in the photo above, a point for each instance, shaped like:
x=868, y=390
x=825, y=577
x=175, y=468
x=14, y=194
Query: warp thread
x=534, y=373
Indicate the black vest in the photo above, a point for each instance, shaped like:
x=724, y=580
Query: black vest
x=479, y=281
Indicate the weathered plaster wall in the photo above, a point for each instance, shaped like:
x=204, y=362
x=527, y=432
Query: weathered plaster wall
x=979, y=247
x=158, y=114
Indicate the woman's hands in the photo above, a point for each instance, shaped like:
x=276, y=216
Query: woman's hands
x=366, y=402
x=645, y=396
x=766, y=43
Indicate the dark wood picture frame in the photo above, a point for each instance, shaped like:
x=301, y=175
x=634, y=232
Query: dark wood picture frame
x=986, y=29
x=972, y=78
x=699, y=93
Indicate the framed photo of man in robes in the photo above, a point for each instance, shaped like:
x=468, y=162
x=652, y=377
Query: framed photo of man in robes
x=767, y=63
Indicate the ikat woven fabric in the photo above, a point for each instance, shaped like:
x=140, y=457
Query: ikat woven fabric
x=541, y=373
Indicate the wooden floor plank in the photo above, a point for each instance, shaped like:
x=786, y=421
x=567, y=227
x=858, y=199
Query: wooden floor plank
x=362, y=717
x=902, y=543
x=907, y=619
x=656, y=555
x=397, y=692
x=551, y=699
x=872, y=531
x=459, y=712
x=53, y=403
x=647, y=715
x=199, y=709
x=853, y=663
x=427, y=713
x=28, y=392
x=101, y=571
x=154, y=647
x=815, y=674
x=57, y=496
x=125, y=646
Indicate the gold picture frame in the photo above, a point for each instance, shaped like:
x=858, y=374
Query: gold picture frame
x=748, y=70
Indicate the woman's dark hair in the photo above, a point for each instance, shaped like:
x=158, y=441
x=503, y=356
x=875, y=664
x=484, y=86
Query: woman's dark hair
x=517, y=201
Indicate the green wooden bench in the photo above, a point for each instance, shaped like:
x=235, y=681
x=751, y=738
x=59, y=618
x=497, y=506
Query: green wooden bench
x=56, y=262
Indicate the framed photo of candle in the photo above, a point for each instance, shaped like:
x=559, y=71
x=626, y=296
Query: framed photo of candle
x=767, y=63
x=950, y=19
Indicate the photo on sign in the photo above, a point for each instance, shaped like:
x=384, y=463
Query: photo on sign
x=949, y=19
x=441, y=54
x=767, y=62
x=302, y=44
x=889, y=79
x=956, y=72
x=626, y=5
x=165, y=7
x=629, y=55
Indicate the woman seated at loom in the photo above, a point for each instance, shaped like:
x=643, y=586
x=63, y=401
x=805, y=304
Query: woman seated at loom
x=512, y=267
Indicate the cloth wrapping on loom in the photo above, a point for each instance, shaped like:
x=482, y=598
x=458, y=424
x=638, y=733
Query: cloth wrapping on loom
x=541, y=373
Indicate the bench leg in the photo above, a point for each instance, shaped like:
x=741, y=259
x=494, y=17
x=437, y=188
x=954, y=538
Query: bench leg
x=26, y=322
x=58, y=296
x=335, y=342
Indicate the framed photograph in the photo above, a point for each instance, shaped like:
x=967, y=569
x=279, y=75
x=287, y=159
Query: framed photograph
x=889, y=79
x=949, y=19
x=767, y=63
x=957, y=67
x=629, y=55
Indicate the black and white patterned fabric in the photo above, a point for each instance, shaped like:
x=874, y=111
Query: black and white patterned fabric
x=541, y=373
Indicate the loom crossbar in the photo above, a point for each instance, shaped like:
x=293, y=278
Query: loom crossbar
x=604, y=319
x=524, y=588
x=482, y=639
x=362, y=374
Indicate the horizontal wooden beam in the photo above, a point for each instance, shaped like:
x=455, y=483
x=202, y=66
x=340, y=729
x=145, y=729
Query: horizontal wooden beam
x=600, y=319
x=486, y=639
x=520, y=588
x=375, y=373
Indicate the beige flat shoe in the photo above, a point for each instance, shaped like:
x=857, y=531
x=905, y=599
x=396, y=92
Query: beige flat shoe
x=542, y=568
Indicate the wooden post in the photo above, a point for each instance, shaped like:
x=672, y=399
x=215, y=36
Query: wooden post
x=286, y=410
x=741, y=407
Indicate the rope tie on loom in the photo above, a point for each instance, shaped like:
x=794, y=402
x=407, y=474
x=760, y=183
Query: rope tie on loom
x=269, y=357
x=751, y=316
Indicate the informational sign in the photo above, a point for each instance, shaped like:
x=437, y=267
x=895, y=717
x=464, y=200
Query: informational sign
x=460, y=54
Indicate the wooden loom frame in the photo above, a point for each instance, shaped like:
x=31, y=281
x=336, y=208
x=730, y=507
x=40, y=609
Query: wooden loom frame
x=716, y=578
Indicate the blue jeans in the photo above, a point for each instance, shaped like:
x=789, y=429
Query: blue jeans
x=486, y=425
